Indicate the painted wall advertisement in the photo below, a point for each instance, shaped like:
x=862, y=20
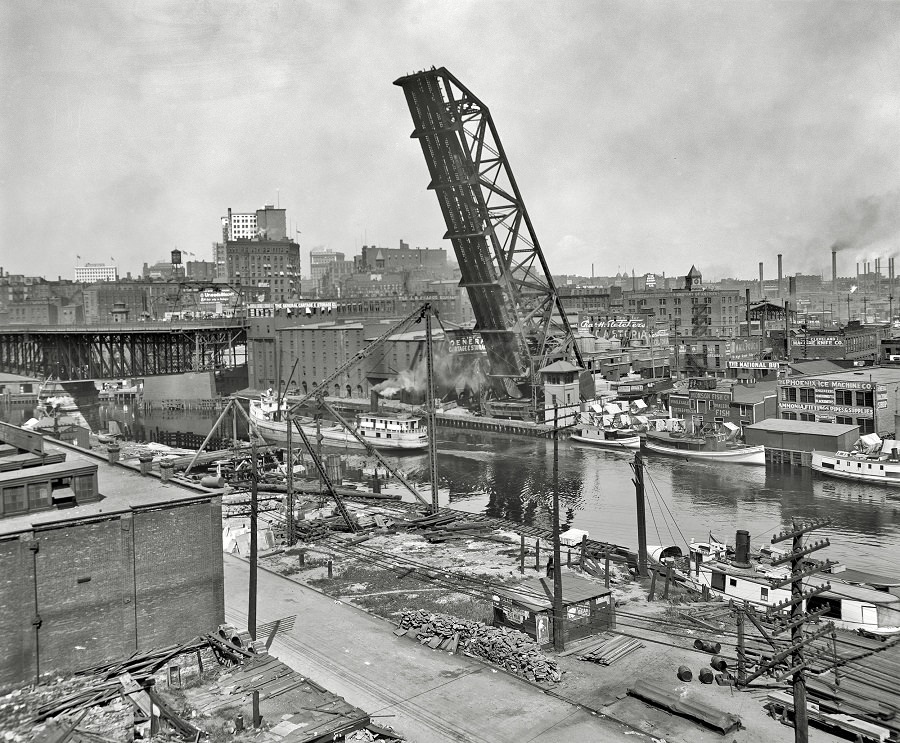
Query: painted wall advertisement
x=465, y=342
x=831, y=384
x=631, y=329
x=809, y=407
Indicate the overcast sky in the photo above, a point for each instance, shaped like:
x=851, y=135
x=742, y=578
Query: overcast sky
x=643, y=135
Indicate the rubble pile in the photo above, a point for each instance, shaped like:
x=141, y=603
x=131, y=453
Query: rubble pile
x=509, y=649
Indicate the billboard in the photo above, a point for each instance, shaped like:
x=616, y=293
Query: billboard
x=630, y=329
x=767, y=365
x=465, y=342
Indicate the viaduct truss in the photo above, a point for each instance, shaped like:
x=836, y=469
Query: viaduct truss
x=517, y=307
x=121, y=350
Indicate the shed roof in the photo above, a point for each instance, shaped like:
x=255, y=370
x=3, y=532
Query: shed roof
x=812, y=428
x=536, y=594
x=560, y=366
x=752, y=393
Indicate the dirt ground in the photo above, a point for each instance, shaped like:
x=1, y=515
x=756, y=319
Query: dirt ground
x=391, y=572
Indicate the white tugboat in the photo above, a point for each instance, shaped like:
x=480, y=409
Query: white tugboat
x=871, y=460
x=385, y=430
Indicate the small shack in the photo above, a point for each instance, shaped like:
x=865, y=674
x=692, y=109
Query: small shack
x=588, y=608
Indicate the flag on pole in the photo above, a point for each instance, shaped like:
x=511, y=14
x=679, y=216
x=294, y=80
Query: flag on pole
x=78, y=257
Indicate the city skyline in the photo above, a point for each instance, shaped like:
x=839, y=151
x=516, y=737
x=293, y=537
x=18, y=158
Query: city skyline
x=643, y=136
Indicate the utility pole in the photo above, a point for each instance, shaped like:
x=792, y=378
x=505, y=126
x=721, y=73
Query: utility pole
x=289, y=478
x=430, y=413
x=776, y=621
x=559, y=638
x=254, y=510
x=638, y=467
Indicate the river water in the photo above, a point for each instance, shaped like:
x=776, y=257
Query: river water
x=512, y=478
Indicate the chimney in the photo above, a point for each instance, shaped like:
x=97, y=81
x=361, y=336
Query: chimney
x=760, y=279
x=741, y=549
x=779, y=274
x=891, y=278
x=834, y=272
x=747, y=300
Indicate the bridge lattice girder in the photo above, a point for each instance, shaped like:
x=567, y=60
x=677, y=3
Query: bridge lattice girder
x=517, y=307
x=105, y=352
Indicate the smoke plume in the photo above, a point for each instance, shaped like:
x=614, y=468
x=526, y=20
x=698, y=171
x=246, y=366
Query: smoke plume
x=867, y=224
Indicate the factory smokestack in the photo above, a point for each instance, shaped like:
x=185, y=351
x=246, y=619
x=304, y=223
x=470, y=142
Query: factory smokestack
x=779, y=275
x=834, y=272
x=760, y=279
x=877, y=276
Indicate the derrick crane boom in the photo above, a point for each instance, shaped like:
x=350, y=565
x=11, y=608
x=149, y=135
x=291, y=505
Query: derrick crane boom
x=517, y=307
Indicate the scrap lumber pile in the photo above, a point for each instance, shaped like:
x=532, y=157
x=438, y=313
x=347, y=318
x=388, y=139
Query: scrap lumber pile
x=441, y=527
x=507, y=648
x=610, y=650
x=713, y=616
x=312, y=529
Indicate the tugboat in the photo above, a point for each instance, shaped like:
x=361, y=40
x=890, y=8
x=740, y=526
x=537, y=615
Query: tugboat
x=385, y=430
x=871, y=460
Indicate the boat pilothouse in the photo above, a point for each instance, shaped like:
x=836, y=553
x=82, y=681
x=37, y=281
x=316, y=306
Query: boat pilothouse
x=387, y=428
x=850, y=604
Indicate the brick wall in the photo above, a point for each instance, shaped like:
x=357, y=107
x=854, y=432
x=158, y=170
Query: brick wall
x=109, y=587
x=178, y=573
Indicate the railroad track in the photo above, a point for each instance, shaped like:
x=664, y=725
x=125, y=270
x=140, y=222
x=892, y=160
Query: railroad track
x=329, y=666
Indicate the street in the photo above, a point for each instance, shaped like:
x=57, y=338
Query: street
x=429, y=696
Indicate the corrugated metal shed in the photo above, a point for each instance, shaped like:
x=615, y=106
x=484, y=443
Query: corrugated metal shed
x=806, y=436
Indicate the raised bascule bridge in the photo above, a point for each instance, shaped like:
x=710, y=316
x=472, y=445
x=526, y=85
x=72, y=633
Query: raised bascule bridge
x=118, y=350
x=517, y=308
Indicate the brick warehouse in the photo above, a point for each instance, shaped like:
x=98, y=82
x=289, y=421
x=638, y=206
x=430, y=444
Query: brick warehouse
x=97, y=561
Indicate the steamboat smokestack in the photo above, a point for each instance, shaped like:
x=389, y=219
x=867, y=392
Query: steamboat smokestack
x=373, y=401
x=779, y=275
x=741, y=549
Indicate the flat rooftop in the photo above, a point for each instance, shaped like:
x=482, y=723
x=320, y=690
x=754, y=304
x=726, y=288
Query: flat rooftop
x=778, y=425
x=123, y=490
x=879, y=374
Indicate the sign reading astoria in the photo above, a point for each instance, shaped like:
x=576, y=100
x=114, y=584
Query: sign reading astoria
x=633, y=329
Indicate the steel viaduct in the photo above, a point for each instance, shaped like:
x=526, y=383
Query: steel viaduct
x=117, y=350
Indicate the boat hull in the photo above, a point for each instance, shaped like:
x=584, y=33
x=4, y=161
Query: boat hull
x=880, y=472
x=742, y=455
x=629, y=442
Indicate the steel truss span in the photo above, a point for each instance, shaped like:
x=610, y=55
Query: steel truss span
x=517, y=308
x=125, y=351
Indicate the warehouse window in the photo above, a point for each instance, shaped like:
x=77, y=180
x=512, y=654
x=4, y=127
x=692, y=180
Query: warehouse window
x=789, y=394
x=807, y=394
